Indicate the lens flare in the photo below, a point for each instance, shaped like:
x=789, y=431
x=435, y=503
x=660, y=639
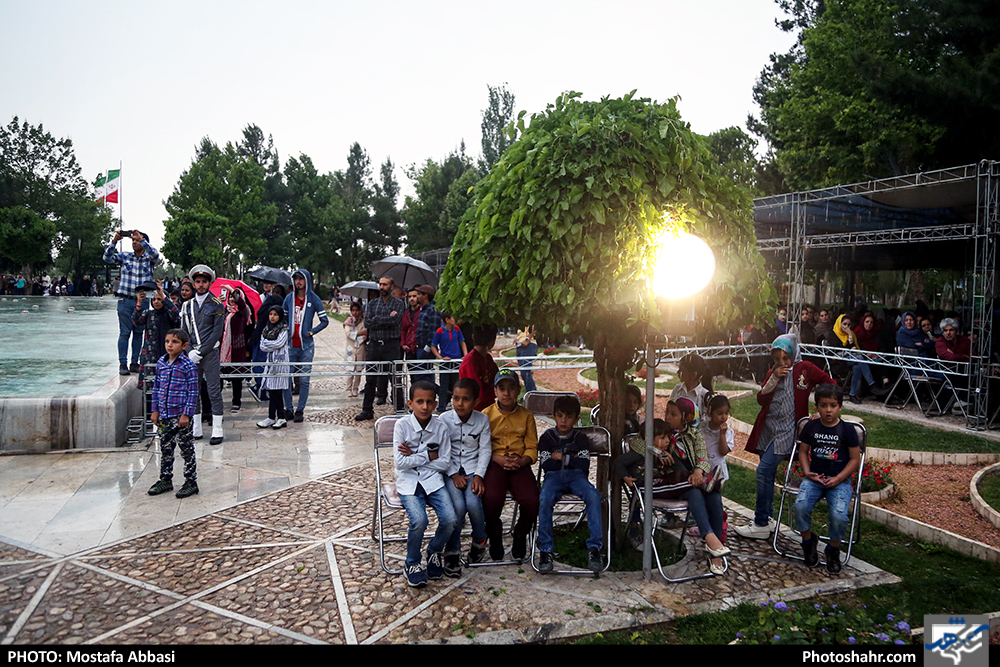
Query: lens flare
x=684, y=265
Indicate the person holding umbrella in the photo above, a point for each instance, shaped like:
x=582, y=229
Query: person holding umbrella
x=383, y=317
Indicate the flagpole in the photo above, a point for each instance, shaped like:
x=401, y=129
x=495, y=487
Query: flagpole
x=119, y=193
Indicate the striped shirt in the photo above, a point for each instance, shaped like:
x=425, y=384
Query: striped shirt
x=382, y=325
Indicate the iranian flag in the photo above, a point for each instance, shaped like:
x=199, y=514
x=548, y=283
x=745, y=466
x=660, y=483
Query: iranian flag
x=111, y=186
x=99, y=189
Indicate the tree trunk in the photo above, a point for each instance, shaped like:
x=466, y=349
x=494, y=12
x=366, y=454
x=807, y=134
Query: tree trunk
x=613, y=358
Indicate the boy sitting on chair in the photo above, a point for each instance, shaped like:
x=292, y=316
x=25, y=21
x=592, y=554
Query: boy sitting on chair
x=829, y=455
x=422, y=447
x=564, y=454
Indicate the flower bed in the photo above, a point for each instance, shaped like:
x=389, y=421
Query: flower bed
x=811, y=623
x=588, y=397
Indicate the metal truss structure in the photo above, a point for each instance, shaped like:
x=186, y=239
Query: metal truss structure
x=898, y=225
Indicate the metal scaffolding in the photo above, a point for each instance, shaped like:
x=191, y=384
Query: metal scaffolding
x=894, y=216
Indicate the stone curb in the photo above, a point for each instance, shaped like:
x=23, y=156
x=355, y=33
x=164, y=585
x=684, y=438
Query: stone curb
x=980, y=505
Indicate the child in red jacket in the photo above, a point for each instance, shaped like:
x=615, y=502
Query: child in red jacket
x=784, y=399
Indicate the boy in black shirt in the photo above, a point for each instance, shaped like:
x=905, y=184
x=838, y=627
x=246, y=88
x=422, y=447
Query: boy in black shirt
x=829, y=455
x=564, y=454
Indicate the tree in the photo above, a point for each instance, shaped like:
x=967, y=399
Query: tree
x=356, y=189
x=733, y=150
x=83, y=233
x=497, y=117
x=318, y=220
x=564, y=224
x=217, y=212
x=387, y=229
x=40, y=183
x=432, y=217
x=874, y=89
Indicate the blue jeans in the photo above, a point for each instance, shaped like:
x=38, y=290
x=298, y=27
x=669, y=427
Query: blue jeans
x=558, y=483
x=529, y=350
x=861, y=370
x=126, y=308
x=838, y=498
x=297, y=354
x=769, y=462
x=465, y=501
x=416, y=509
x=707, y=510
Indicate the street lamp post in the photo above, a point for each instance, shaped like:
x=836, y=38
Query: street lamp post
x=684, y=266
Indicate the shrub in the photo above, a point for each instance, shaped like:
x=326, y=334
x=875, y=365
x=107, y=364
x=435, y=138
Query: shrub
x=811, y=623
x=588, y=398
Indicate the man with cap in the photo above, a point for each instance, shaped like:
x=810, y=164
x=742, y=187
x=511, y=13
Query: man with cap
x=137, y=268
x=301, y=306
x=204, y=318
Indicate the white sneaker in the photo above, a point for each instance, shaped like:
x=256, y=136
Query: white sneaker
x=755, y=532
x=281, y=423
x=264, y=424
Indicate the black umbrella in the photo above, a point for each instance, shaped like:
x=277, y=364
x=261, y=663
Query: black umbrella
x=271, y=275
x=405, y=271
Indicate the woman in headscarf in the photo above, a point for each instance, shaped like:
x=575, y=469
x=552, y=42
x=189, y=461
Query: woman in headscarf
x=274, y=341
x=784, y=399
x=234, y=347
x=861, y=371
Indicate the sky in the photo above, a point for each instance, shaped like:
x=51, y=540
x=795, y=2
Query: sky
x=141, y=83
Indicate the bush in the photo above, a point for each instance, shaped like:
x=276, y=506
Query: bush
x=810, y=623
x=588, y=398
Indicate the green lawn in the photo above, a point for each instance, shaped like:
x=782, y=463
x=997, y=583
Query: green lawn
x=935, y=580
x=890, y=433
x=989, y=489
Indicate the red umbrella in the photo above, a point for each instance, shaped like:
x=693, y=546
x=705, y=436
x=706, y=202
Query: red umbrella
x=223, y=286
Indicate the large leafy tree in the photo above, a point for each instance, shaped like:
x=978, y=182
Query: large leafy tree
x=497, y=116
x=442, y=197
x=565, y=224
x=386, y=226
x=318, y=219
x=40, y=186
x=217, y=211
x=873, y=89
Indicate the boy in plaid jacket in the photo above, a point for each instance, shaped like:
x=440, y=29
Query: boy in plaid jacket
x=175, y=394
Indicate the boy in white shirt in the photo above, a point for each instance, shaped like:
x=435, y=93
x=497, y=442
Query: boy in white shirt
x=471, y=451
x=422, y=445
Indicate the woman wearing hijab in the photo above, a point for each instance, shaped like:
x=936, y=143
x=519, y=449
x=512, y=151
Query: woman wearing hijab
x=233, y=347
x=783, y=399
x=846, y=338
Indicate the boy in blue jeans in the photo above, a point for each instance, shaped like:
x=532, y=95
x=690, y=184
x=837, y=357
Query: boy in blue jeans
x=564, y=454
x=829, y=455
x=422, y=446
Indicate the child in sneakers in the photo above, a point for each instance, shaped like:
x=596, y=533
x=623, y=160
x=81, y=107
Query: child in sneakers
x=175, y=394
x=274, y=342
x=471, y=450
x=422, y=446
x=564, y=454
x=829, y=454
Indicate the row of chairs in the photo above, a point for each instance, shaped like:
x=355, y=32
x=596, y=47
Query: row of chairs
x=666, y=513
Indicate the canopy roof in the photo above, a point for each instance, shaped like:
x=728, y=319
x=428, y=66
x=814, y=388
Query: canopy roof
x=924, y=220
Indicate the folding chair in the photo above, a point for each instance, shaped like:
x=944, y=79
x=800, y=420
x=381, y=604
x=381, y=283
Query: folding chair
x=914, y=381
x=791, y=488
x=600, y=449
x=541, y=402
x=386, y=497
x=668, y=510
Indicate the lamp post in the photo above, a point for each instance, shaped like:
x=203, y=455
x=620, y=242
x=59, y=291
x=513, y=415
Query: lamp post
x=684, y=266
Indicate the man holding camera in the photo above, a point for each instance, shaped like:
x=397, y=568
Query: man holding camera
x=137, y=268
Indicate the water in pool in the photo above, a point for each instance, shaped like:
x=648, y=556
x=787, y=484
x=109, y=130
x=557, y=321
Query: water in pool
x=51, y=350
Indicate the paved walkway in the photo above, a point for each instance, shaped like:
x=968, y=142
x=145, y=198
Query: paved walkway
x=277, y=548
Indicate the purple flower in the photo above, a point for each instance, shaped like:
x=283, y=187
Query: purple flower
x=823, y=630
x=764, y=605
x=852, y=640
x=882, y=637
x=903, y=626
x=739, y=635
x=889, y=616
x=816, y=607
x=781, y=606
x=900, y=641
x=777, y=637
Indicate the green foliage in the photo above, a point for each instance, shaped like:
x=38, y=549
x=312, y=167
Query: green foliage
x=733, y=150
x=496, y=119
x=564, y=222
x=442, y=198
x=812, y=624
x=873, y=89
x=217, y=211
x=82, y=236
x=989, y=489
x=25, y=237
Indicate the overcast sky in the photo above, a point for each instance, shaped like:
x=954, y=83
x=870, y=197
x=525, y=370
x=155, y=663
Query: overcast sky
x=142, y=82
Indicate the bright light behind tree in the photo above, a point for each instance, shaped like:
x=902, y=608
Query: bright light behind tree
x=684, y=265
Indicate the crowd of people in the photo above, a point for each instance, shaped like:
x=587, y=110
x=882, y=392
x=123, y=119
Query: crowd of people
x=46, y=285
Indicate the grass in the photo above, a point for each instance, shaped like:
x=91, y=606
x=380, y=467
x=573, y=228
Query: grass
x=340, y=317
x=989, y=489
x=571, y=546
x=591, y=374
x=890, y=433
x=935, y=580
